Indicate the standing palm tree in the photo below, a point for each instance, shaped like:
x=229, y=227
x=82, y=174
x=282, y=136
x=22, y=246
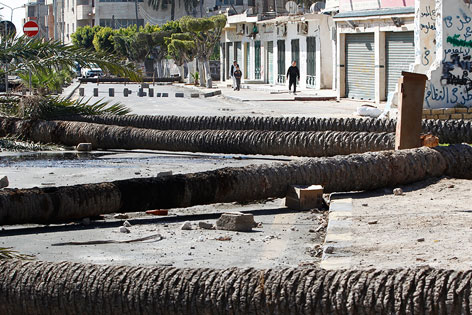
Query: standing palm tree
x=35, y=55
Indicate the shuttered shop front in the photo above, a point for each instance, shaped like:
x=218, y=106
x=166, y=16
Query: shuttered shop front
x=360, y=66
x=400, y=53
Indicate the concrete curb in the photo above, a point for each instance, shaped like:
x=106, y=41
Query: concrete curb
x=73, y=91
x=338, y=241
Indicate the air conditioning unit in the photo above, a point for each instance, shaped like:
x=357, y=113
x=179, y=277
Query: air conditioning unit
x=282, y=30
x=302, y=28
x=240, y=29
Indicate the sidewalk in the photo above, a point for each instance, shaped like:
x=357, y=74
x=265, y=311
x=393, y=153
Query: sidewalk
x=265, y=92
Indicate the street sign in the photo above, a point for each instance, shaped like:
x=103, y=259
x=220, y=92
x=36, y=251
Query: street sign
x=7, y=28
x=31, y=28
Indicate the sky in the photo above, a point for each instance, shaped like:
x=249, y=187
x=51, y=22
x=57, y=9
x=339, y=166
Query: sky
x=18, y=14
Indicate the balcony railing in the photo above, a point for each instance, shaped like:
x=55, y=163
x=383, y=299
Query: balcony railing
x=281, y=79
x=311, y=81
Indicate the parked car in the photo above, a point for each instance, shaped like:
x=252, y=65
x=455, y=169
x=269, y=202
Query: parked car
x=94, y=71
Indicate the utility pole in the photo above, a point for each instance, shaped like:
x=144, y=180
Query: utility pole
x=136, y=7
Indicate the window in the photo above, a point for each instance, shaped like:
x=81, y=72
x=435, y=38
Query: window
x=120, y=23
x=120, y=0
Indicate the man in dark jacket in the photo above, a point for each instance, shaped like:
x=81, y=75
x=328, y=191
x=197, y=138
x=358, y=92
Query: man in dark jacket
x=237, y=75
x=233, y=68
x=292, y=75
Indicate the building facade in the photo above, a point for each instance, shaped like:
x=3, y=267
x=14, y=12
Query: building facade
x=264, y=44
x=68, y=15
x=38, y=11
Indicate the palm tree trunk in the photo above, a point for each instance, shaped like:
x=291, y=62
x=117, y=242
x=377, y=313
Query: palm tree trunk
x=298, y=143
x=71, y=288
x=341, y=173
x=448, y=131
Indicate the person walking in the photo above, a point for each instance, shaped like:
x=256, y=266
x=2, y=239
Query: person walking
x=237, y=75
x=233, y=68
x=292, y=75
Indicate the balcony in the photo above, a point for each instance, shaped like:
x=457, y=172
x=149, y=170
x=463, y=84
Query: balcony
x=84, y=12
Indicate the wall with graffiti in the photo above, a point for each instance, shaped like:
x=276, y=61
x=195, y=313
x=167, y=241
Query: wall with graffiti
x=351, y=5
x=425, y=35
x=450, y=83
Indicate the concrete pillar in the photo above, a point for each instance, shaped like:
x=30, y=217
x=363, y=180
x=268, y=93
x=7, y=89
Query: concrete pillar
x=151, y=92
x=303, y=61
x=95, y=92
x=111, y=92
x=379, y=48
x=125, y=92
x=341, y=66
x=141, y=92
x=410, y=110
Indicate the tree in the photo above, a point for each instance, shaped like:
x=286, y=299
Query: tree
x=35, y=55
x=83, y=36
x=103, y=40
x=181, y=48
x=206, y=32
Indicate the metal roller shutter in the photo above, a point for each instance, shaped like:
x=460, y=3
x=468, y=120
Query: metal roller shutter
x=400, y=53
x=360, y=63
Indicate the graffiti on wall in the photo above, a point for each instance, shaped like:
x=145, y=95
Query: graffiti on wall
x=455, y=83
x=425, y=35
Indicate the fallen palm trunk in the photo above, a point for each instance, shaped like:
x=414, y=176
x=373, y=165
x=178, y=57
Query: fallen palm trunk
x=295, y=143
x=448, y=131
x=71, y=288
x=341, y=173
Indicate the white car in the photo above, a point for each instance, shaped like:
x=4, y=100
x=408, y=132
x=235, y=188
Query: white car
x=92, y=72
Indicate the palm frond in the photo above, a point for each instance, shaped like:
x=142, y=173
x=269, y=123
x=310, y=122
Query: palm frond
x=9, y=253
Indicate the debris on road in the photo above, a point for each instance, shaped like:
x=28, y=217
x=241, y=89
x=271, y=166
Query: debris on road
x=121, y=216
x=141, y=239
x=158, y=212
x=126, y=224
x=304, y=197
x=124, y=229
x=236, y=221
x=398, y=191
x=372, y=222
x=205, y=225
x=224, y=238
x=84, y=147
x=4, y=181
x=186, y=226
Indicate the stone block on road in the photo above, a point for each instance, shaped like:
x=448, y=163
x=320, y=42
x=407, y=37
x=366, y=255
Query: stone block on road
x=4, y=181
x=304, y=197
x=84, y=147
x=179, y=94
x=236, y=221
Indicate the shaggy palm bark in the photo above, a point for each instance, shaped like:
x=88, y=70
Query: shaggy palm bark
x=448, y=131
x=71, y=288
x=341, y=173
x=296, y=143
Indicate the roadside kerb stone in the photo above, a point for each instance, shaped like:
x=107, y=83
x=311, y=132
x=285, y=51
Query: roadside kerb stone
x=236, y=221
x=338, y=240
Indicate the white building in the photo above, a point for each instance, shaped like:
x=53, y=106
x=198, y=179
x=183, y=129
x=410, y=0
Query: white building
x=264, y=45
x=68, y=15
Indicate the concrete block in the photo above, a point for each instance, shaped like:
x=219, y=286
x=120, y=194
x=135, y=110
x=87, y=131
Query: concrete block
x=125, y=92
x=179, y=94
x=194, y=95
x=84, y=147
x=111, y=92
x=449, y=111
x=165, y=94
x=469, y=110
x=427, y=112
x=236, y=221
x=158, y=94
x=4, y=181
x=443, y=117
x=95, y=92
x=151, y=92
x=461, y=110
x=217, y=92
x=209, y=94
x=456, y=116
x=467, y=116
x=140, y=92
x=438, y=111
x=304, y=197
x=81, y=92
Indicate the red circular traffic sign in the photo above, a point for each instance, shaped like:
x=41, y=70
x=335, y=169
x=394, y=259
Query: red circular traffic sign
x=31, y=28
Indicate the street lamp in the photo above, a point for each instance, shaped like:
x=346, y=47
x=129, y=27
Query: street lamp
x=11, y=9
